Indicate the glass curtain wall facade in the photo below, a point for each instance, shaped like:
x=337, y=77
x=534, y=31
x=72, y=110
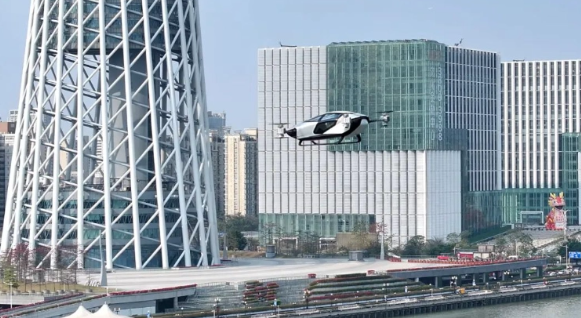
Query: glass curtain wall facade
x=570, y=173
x=515, y=201
x=473, y=105
x=407, y=77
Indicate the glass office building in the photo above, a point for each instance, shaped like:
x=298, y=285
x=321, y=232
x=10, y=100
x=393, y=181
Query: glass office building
x=415, y=175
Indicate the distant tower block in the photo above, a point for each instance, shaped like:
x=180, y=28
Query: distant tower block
x=111, y=140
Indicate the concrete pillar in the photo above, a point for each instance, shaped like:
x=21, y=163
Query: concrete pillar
x=175, y=303
x=438, y=283
x=523, y=273
x=417, y=279
x=485, y=278
x=540, y=271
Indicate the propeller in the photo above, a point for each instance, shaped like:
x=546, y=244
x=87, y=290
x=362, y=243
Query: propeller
x=281, y=130
x=384, y=118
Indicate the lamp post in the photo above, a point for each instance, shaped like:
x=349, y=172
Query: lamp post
x=385, y=289
x=10, y=284
x=217, y=307
x=307, y=292
x=276, y=307
x=565, y=239
x=382, y=251
x=103, y=270
x=453, y=282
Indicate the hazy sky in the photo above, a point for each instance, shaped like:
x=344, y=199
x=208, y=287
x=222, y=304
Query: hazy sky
x=233, y=31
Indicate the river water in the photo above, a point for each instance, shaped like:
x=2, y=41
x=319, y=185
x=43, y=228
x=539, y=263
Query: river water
x=566, y=307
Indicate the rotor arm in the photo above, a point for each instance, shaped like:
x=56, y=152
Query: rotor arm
x=384, y=118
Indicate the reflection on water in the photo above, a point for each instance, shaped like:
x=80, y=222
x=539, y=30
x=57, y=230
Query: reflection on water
x=548, y=308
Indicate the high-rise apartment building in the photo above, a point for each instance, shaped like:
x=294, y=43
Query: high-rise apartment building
x=217, y=130
x=541, y=117
x=241, y=173
x=217, y=147
x=432, y=172
x=6, y=147
x=13, y=115
x=216, y=121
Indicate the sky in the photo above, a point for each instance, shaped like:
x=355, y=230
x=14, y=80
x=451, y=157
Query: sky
x=234, y=30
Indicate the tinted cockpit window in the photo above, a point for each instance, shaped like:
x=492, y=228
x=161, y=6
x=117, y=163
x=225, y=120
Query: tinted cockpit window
x=324, y=126
x=315, y=118
x=333, y=116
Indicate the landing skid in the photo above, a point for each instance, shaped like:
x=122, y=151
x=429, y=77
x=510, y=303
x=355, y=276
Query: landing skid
x=322, y=142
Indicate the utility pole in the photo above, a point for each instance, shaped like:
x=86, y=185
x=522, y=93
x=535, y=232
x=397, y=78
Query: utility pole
x=382, y=237
x=565, y=239
x=382, y=252
x=225, y=251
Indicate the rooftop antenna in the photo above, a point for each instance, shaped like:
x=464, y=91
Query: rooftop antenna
x=458, y=44
x=283, y=45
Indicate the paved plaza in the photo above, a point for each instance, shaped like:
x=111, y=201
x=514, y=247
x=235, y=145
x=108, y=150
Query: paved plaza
x=247, y=269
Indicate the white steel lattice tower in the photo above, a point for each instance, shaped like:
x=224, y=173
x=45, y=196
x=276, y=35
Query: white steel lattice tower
x=111, y=141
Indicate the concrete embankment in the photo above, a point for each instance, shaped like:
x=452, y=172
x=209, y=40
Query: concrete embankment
x=447, y=303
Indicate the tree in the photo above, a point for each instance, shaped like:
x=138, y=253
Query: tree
x=9, y=276
x=242, y=223
x=236, y=240
x=522, y=242
x=500, y=245
x=573, y=245
x=453, y=238
x=308, y=243
x=414, y=246
x=252, y=243
x=361, y=235
x=526, y=243
x=437, y=246
x=66, y=255
x=267, y=233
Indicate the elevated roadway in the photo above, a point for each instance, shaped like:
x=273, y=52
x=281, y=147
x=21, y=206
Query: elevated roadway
x=468, y=270
x=250, y=269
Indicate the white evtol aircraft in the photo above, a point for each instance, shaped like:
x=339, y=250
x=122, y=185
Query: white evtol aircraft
x=332, y=125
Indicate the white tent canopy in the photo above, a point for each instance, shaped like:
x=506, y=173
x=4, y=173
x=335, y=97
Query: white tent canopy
x=104, y=312
x=80, y=313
